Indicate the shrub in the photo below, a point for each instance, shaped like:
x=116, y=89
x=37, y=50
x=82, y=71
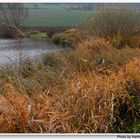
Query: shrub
x=56, y=38
x=67, y=38
x=117, y=26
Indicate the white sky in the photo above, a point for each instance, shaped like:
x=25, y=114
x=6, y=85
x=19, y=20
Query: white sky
x=70, y=1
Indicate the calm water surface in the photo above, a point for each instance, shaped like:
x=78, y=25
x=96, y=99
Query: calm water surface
x=11, y=50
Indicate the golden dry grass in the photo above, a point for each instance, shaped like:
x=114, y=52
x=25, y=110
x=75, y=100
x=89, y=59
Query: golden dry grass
x=73, y=98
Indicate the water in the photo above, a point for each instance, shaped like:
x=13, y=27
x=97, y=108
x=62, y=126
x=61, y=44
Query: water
x=12, y=50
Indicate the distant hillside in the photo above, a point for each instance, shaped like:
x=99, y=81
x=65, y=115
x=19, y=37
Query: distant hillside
x=54, y=15
x=64, y=14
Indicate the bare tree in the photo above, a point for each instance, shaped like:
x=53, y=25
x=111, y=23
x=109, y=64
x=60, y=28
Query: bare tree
x=13, y=14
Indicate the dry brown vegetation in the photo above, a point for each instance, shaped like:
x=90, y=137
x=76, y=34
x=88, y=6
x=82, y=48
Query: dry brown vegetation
x=75, y=94
x=119, y=27
x=92, y=89
x=68, y=38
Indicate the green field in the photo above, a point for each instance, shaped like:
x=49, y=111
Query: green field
x=54, y=15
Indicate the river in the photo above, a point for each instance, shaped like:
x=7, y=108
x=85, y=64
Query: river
x=11, y=50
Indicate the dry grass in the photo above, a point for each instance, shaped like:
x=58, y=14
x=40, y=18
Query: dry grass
x=79, y=96
x=67, y=38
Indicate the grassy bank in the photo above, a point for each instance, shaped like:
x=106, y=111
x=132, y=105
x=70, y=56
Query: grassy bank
x=36, y=35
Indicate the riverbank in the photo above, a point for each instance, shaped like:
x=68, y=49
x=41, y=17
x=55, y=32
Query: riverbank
x=5, y=31
x=62, y=36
